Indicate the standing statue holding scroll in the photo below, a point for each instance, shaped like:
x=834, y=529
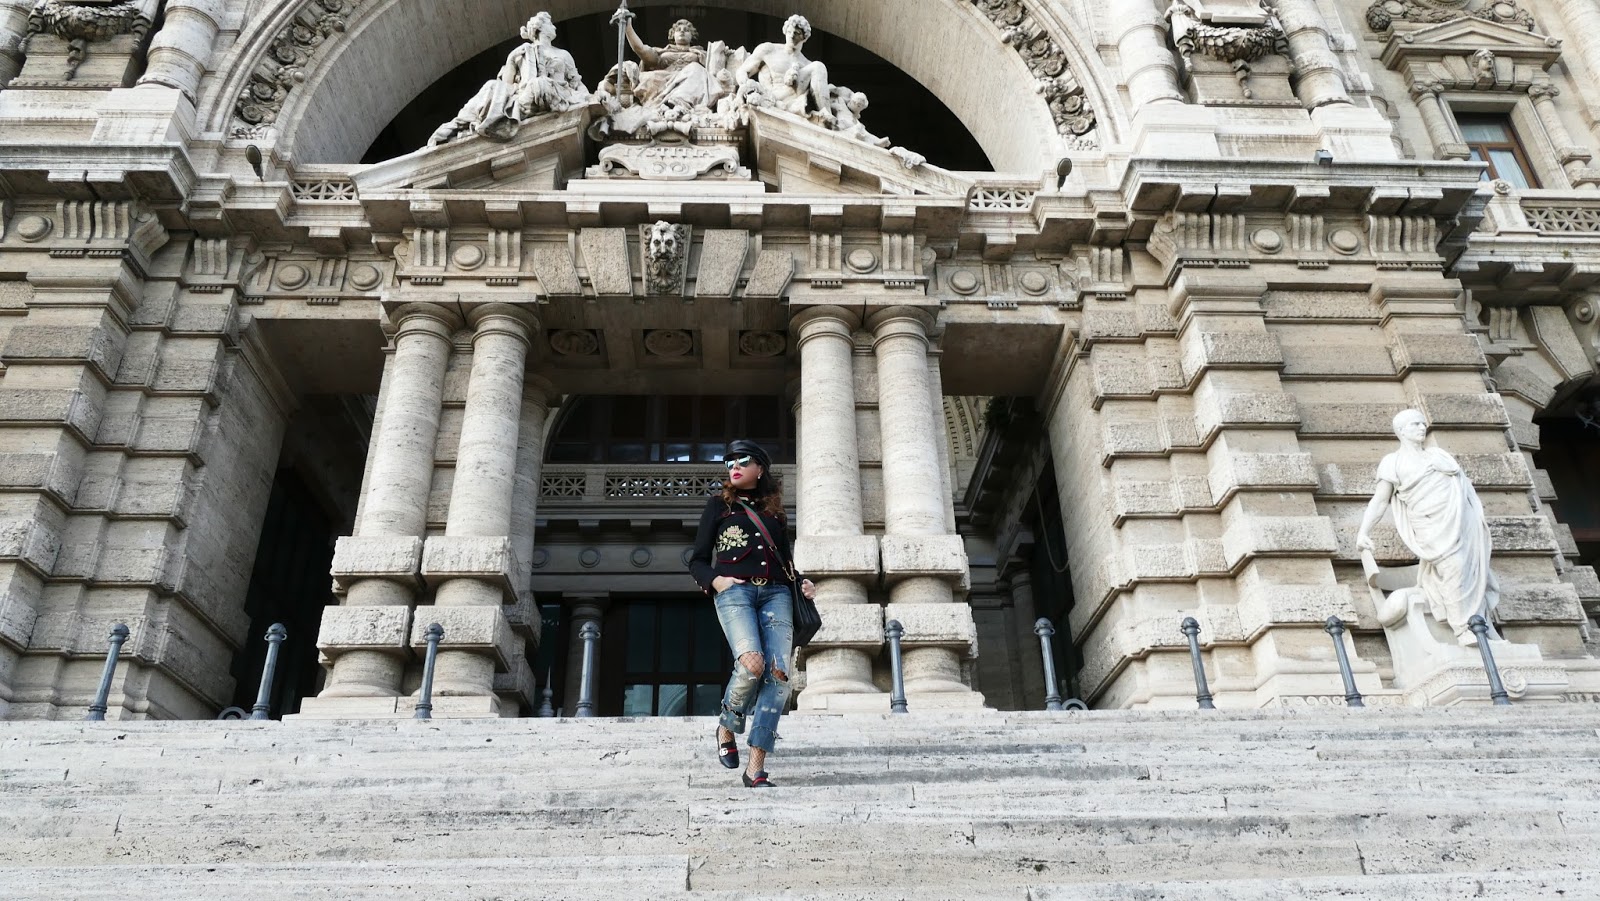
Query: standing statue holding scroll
x=1440, y=519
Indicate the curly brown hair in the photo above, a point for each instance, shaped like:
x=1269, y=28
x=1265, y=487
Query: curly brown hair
x=768, y=495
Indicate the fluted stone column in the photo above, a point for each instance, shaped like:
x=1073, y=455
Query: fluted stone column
x=365, y=637
x=1149, y=67
x=1583, y=33
x=178, y=52
x=13, y=25
x=922, y=562
x=1311, y=49
x=473, y=562
x=831, y=548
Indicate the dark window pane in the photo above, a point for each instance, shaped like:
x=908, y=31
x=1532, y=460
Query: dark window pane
x=674, y=701
x=571, y=452
x=712, y=453
x=710, y=647
x=627, y=453
x=714, y=418
x=678, y=421
x=638, y=700
x=673, y=639
x=761, y=418
x=630, y=416
x=677, y=453
x=707, y=700
x=641, y=638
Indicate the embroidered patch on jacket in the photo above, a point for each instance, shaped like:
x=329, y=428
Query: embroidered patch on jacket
x=732, y=537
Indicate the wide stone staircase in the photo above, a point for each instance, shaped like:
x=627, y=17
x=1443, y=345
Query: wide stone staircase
x=1465, y=802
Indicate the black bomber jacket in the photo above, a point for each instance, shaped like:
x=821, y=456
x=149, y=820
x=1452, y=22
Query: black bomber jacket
x=728, y=544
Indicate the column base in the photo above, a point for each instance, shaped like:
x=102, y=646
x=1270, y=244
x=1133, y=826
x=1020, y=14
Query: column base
x=326, y=708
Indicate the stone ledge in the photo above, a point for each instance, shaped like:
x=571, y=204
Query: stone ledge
x=376, y=557
x=488, y=558
x=924, y=555
x=935, y=625
x=849, y=625
x=817, y=556
x=1254, y=536
x=482, y=629
x=362, y=629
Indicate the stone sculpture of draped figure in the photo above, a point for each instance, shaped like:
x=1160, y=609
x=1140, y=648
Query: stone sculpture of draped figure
x=537, y=77
x=1440, y=519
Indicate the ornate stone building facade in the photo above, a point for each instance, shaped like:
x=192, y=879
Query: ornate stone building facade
x=286, y=297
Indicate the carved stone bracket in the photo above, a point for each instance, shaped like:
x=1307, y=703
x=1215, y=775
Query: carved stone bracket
x=284, y=66
x=81, y=23
x=1069, y=107
x=1382, y=15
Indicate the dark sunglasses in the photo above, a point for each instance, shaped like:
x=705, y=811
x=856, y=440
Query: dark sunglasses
x=737, y=462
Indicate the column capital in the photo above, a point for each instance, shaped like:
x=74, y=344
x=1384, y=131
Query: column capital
x=424, y=317
x=900, y=321
x=811, y=321
x=502, y=318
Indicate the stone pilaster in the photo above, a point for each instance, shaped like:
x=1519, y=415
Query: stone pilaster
x=1582, y=34
x=178, y=52
x=367, y=636
x=923, y=563
x=474, y=563
x=832, y=549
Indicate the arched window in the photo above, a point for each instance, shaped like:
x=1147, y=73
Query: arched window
x=631, y=428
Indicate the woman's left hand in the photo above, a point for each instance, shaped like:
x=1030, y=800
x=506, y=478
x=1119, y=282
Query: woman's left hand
x=808, y=588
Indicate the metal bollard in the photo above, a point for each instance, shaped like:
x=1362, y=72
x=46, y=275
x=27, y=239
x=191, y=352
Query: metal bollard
x=897, y=694
x=1202, y=691
x=434, y=635
x=546, y=707
x=276, y=634
x=97, y=710
x=1335, y=628
x=589, y=634
x=1045, y=631
x=1497, y=689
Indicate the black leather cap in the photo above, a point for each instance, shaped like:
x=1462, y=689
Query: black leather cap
x=745, y=446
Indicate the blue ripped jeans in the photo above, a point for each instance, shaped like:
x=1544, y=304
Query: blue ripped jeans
x=759, y=619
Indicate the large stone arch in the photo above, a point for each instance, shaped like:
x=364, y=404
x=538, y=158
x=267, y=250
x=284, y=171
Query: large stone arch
x=382, y=53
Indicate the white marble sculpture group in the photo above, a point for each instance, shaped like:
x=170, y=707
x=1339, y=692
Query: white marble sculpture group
x=670, y=93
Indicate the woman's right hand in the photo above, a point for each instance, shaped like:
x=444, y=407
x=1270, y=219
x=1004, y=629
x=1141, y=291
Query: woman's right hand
x=723, y=583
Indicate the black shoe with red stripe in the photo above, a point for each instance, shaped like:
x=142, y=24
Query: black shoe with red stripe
x=728, y=754
x=760, y=781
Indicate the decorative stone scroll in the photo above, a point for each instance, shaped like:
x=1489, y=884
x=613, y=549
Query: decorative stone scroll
x=284, y=67
x=1069, y=107
x=80, y=23
x=1382, y=15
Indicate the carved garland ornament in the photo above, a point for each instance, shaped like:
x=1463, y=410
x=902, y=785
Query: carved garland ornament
x=80, y=23
x=1382, y=15
x=284, y=67
x=1070, y=109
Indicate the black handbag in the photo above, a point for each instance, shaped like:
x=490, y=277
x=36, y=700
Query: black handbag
x=807, y=619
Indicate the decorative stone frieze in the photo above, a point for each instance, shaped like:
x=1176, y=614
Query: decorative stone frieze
x=1058, y=85
x=1385, y=14
x=283, y=68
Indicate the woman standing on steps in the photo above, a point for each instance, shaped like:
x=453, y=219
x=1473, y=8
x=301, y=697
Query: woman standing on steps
x=742, y=557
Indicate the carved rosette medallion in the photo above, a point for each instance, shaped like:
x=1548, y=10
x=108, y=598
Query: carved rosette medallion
x=762, y=343
x=668, y=342
x=571, y=342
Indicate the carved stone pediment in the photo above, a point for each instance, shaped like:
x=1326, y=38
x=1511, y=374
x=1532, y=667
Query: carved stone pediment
x=1464, y=37
x=544, y=154
x=797, y=158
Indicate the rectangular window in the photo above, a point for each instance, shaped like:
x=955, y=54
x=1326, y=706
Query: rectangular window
x=1493, y=141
